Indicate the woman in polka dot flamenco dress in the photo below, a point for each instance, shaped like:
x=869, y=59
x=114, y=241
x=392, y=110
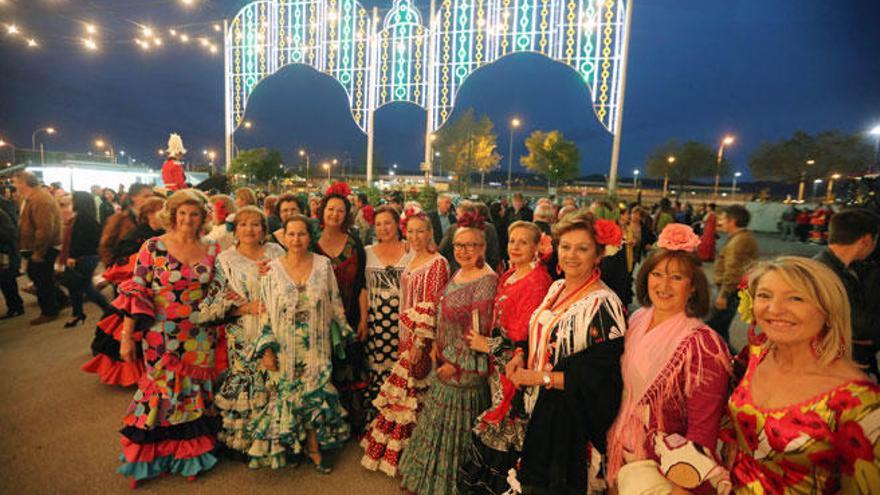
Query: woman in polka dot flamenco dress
x=171, y=424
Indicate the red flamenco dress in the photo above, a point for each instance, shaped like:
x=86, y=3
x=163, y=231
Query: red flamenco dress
x=107, y=363
x=171, y=424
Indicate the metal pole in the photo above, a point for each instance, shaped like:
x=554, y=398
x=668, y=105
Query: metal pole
x=42, y=155
x=230, y=139
x=618, y=127
x=733, y=187
x=718, y=167
x=429, y=98
x=510, y=162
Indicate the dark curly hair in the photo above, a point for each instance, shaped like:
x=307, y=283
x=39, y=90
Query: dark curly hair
x=346, y=224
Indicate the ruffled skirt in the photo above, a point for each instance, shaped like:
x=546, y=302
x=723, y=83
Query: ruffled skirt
x=397, y=405
x=295, y=407
x=440, y=444
x=242, y=395
x=107, y=363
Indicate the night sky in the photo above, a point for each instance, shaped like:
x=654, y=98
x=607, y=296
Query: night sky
x=758, y=69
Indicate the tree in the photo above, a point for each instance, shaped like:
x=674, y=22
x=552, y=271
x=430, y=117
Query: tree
x=552, y=156
x=261, y=164
x=468, y=145
x=806, y=156
x=691, y=160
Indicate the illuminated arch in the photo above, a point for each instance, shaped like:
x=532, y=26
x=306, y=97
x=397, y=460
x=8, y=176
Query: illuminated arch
x=400, y=59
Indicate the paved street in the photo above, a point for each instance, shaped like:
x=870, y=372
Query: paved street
x=58, y=425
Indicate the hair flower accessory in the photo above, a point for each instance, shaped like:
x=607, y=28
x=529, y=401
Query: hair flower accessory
x=471, y=220
x=678, y=237
x=409, y=213
x=608, y=234
x=745, y=308
x=545, y=246
x=338, y=189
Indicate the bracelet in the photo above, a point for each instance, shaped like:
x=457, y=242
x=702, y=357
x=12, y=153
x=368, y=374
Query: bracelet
x=548, y=380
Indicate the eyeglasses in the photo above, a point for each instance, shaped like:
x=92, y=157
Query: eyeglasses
x=466, y=246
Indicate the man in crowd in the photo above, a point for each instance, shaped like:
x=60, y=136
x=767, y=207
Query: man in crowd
x=9, y=258
x=732, y=262
x=39, y=238
x=443, y=217
x=120, y=223
x=852, y=238
x=520, y=210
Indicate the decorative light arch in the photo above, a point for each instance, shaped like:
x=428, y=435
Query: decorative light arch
x=400, y=59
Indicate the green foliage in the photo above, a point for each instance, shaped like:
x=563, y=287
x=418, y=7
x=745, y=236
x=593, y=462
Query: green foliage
x=831, y=152
x=259, y=164
x=552, y=156
x=468, y=145
x=427, y=197
x=692, y=160
x=374, y=194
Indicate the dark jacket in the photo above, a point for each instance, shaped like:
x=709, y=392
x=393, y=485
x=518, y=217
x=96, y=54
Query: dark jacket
x=84, y=237
x=131, y=243
x=862, y=329
x=434, y=217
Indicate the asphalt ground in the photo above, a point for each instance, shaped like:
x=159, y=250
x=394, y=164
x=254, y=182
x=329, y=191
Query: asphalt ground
x=58, y=425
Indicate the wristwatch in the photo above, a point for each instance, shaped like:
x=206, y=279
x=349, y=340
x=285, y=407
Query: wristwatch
x=546, y=380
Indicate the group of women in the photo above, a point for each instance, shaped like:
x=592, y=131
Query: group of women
x=468, y=382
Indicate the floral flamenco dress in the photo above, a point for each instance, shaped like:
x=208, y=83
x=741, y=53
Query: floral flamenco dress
x=308, y=323
x=440, y=444
x=171, y=424
x=826, y=445
x=242, y=391
x=401, y=397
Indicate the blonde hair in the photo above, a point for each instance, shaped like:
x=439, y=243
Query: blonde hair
x=531, y=227
x=822, y=287
x=192, y=197
x=247, y=195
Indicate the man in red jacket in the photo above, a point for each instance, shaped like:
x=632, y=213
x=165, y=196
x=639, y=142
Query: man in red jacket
x=172, y=169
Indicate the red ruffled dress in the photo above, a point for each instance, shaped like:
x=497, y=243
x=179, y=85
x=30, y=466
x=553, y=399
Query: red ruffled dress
x=171, y=424
x=400, y=398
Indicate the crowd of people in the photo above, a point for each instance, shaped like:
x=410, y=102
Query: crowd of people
x=477, y=349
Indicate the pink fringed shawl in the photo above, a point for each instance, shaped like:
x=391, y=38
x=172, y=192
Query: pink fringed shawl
x=652, y=357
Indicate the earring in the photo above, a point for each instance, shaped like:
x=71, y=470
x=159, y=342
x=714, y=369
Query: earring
x=558, y=270
x=480, y=262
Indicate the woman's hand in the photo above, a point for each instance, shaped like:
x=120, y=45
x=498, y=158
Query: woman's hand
x=249, y=308
x=269, y=361
x=446, y=372
x=528, y=378
x=126, y=349
x=415, y=353
x=477, y=342
x=514, y=365
x=263, y=267
x=71, y=263
x=363, y=330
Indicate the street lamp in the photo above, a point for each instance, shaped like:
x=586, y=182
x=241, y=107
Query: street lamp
x=816, y=183
x=636, y=179
x=727, y=141
x=47, y=130
x=876, y=133
x=803, y=178
x=326, y=166
x=303, y=153
x=514, y=123
x=736, y=175
x=669, y=161
x=829, y=196
x=100, y=144
x=11, y=146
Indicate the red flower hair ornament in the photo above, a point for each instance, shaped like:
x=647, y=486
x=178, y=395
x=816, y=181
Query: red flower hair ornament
x=471, y=220
x=410, y=213
x=608, y=234
x=338, y=189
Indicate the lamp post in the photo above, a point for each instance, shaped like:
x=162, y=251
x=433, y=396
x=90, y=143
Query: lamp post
x=876, y=133
x=304, y=153
x=636, y=179
x=327, y=168
x=829, y=195
x=669, y=161
x=514, y=123
x=727, y=141
x=11, y=146
x=47, y=130
x=733, y=186
x=816, y=183
x=100, y=144
x=803, y=178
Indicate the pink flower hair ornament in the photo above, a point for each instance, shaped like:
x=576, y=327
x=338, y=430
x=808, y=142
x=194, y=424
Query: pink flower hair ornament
x=409, y=214
x=678, y=237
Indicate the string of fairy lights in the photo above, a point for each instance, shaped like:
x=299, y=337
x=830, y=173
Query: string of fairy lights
x=90, y=36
